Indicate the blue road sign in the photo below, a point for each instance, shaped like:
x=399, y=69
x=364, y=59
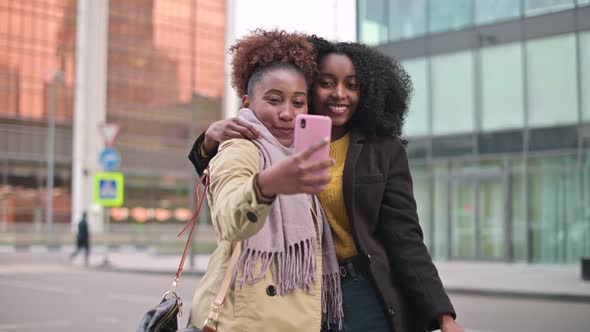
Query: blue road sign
x=110, y=159
x=108, y=189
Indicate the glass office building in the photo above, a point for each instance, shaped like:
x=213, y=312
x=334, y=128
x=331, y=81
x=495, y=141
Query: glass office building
x=499, y=125
x=164, y=85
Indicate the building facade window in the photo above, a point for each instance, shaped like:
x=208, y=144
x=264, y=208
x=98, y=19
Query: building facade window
x=407, y=19
x=417, y=120
x=35, y=44
x=489, y=11
x=440, y=224
x=552, y=86
x=462, y=216
x=539, y=7
x=491, y=201
x=445, y=15
x=422, y=188
x=164, y=86
x=517, y=197
x=23, y=194
x=452, y=93
x=557, y=211
x=584, y=39
x=502, y=103
x=372, y=21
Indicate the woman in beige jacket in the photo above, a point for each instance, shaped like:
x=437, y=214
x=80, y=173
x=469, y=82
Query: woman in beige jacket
x=287, y=276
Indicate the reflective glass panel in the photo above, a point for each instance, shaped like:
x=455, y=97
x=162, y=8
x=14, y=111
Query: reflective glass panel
x=37, y=59
x=441, y=221
x=417, y=120
x=462, y=217
x=452, y=93
x=372, y=21
x=422, y=188
x=491, y=217
x=502, y=102
x=552, y=81
x=448, y=15
x=538, y=7
x=518, y=202
x=557, y=209
x=488, y=11
x=407, y=19
x=585, y=73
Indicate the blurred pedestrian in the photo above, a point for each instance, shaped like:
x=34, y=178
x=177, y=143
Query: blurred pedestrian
x=82, y=240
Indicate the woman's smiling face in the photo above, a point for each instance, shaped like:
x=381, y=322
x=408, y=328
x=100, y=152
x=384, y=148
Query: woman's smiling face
x=276, y=99
x=336, y=92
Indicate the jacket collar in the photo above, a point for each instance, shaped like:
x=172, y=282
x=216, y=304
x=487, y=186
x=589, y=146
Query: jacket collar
x=357, y=136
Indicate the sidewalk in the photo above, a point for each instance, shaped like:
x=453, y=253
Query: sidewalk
x=478, y=278
x=553, y=282
x=148, y=262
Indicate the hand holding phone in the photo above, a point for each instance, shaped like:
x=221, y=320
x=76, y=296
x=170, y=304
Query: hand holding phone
x=311, y=129
x=307, y=170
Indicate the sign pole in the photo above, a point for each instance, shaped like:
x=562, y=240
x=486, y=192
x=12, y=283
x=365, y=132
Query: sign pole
x=106, y=262
x=108, y=187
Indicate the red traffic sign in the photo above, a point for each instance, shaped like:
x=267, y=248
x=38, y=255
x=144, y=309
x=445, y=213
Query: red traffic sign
x=109, y=132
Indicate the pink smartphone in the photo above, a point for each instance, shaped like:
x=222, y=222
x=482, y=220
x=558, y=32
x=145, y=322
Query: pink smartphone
x=310, y=129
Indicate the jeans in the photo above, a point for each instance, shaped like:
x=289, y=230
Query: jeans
x=362, y=310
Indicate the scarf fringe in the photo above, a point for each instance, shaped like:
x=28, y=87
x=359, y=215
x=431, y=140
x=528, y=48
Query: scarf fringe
x=332, y=312
x=294, y=268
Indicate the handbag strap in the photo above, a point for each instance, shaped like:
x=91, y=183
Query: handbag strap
x=211, y=323
x=200, y=197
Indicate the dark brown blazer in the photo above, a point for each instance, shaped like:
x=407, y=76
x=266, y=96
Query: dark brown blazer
x=381, y=207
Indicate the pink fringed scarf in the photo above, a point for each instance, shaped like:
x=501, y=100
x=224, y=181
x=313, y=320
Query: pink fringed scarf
x=287, y=243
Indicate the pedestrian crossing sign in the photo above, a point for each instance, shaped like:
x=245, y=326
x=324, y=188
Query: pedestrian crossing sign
x=108, y=189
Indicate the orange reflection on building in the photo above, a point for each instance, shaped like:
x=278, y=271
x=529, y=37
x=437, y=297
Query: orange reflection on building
x=164, y=85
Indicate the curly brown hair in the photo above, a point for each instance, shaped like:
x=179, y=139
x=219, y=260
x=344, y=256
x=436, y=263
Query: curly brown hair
x=385, y=87
x=263, y=48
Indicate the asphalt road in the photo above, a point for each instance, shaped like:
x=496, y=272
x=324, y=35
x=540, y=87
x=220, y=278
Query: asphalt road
x=43, y=292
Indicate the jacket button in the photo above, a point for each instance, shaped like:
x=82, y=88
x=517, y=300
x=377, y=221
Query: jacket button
x=390, y=311
x=252, y=216
x=271, y=290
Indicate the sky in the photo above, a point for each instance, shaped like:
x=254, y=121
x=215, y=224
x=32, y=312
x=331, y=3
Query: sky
x=331, y=19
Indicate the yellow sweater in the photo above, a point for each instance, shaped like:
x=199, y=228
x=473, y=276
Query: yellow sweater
x=332, y=199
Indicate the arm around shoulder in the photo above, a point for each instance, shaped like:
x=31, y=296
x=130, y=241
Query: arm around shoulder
x=198, y=158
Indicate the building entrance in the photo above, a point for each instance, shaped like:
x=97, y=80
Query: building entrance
x=479, y=216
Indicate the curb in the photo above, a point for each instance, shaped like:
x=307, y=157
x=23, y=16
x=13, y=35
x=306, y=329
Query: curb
x=57, y=248
x=146, y=271
x=510, y=294
x=562, y=297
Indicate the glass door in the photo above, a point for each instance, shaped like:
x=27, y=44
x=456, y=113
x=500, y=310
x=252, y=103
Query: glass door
x=492, y=219
x=462, y=218
x=478, y=215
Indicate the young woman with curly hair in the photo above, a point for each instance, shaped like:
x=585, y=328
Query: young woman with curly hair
x=287, y=274
x=389, y=281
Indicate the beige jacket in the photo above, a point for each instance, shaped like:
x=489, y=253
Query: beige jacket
x=237, y=215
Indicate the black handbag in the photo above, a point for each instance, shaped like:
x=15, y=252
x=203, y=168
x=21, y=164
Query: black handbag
x=164, y=317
